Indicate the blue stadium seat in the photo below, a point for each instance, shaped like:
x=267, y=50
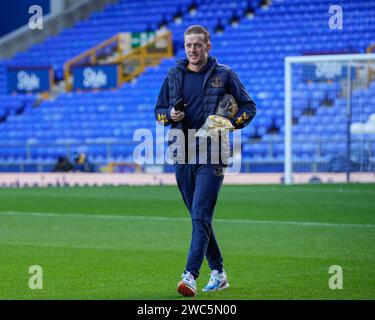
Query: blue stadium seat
x=255, y=49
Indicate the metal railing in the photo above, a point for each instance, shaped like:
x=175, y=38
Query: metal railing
x=318, y=157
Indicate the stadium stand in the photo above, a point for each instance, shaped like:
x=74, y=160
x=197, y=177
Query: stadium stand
x=102, y=123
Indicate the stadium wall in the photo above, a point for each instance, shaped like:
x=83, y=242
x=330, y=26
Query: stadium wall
x=110, y=179
x=23, y=38
x=14, y=14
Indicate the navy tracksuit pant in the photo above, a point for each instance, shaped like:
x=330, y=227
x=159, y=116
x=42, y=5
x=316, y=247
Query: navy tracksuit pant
x=199, y=185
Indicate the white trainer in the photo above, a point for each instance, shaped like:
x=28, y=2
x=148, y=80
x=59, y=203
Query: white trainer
x=218, y=281
x=187, y=287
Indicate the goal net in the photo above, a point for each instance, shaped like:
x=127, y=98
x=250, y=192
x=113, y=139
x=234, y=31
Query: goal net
x=329, y=129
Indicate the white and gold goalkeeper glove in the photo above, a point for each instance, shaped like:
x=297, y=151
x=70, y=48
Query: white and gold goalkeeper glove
x=215, y=123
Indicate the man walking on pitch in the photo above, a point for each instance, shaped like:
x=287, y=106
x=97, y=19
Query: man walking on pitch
x=194, y=91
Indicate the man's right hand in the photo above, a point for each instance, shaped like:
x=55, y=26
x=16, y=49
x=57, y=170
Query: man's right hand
x=177, y=115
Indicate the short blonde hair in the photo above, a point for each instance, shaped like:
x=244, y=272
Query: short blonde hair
x=197, y=29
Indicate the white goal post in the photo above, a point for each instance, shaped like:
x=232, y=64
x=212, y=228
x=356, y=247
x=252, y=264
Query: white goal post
x=321, y=91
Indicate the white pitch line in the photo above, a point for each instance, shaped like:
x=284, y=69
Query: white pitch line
x=148, y=218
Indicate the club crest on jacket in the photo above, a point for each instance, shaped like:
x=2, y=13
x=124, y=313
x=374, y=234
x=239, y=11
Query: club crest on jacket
x=218, y=171
x=217, y=82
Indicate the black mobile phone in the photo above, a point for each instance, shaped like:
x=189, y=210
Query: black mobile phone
x=180, y=106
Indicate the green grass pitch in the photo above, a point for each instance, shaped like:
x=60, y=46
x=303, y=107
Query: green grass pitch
x=278, y=242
